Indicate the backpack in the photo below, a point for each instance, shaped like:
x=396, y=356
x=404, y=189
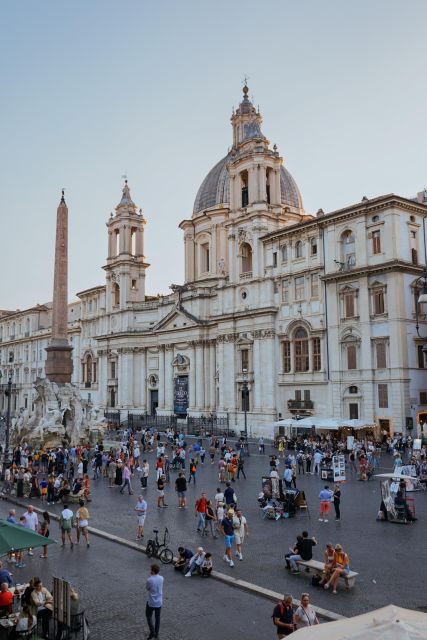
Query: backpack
x=281, y=610
x=66, y=524
x=193, y=468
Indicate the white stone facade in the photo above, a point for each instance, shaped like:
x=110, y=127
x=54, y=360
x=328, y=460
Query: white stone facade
x=316, y=313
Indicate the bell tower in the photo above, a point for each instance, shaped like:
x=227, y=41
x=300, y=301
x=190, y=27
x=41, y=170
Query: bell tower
x=125, y=268
x=254, y=169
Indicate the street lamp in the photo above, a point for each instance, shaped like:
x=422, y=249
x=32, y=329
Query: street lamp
x=245, y=398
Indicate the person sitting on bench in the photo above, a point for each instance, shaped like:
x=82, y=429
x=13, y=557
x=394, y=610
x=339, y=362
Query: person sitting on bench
x=341, y=568
x=304, y=550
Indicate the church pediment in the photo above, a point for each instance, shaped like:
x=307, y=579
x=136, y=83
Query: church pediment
x=178, y=318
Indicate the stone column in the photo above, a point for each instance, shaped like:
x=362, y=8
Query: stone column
x=200, y=376
x=229, y=374
x=162, y=377
x=262, y=181
x=192, y=389
x=121, y=379
x=144, y=380
x=269, y=375
x=169, y=378
x=233, y=259
x=212, y=373
x=257, y=376
x=110, y=244
x=220, y=365
x=102, y=377
x=136, y=379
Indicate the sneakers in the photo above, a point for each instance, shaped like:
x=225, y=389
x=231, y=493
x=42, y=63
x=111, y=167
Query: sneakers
x=239, y=555
x=30, y=553
x=187, y=575
x=325, y=520
x=226, y=558
x=231, y=563
x=320, y=519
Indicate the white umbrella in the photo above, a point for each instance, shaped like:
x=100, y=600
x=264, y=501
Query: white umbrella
x=387, y=623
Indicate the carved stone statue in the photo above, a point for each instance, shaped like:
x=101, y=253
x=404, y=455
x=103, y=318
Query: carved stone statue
x=59, y=417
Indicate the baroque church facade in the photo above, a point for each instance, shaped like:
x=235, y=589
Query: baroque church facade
x=281, y=313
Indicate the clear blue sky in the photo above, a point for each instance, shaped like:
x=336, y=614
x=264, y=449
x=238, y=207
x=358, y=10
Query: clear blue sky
x=95, y=89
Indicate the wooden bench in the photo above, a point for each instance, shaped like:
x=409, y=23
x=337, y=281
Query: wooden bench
x=317, y=566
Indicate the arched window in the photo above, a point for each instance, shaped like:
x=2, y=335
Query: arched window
x=301, y=350
x=348, y=252
x=244, y=181
x=246, y=257
x=313, y=246
x=116, y=295
x=268, y=185
x=299, y=249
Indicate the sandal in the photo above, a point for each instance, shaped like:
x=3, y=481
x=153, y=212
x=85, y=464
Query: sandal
x=326, y=586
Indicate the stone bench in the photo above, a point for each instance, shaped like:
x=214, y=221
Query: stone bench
x=316, y=565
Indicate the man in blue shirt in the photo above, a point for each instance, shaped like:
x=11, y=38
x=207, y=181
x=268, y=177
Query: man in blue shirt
x=5, y=576
x=154, y=604
x=325, y=503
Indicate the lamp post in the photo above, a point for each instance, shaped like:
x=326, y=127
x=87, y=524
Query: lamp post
x=245, y=398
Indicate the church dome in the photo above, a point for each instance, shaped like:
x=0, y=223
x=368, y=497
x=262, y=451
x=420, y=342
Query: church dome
x=215, y=188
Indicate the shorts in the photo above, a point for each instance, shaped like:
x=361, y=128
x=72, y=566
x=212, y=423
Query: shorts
x=325, y=506
x=161, y=494
x=83, y=529
x=141, y=520
x=229, y=541
x=181, y=494
x=239, y=539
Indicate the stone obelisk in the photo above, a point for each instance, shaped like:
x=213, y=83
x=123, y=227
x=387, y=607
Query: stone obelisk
x=59, y=364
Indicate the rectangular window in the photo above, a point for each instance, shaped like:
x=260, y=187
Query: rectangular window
x=382, y=396
x=306, y=395
x=380, y=348
x=298, y=394
x=376, y=242
x=314, y=285
x=351, y=357
x=378, y=300
x=302, y=362
x=244, y=354
x=421, y=357
x=285, y=290
x=317, y=360
x=274, y=258
x=423, y=397
x=113, y=369
x=94, y=372
x=133, y=285
x=286, y=357
x=349, y=305
x=299, y=288
x=284, y=251
x=313, y=245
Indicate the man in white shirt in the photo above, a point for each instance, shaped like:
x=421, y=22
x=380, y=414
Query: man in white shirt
x=196, y=562
x=219, y=497
x=31, y=522
x=317, y=459
x=31, y=519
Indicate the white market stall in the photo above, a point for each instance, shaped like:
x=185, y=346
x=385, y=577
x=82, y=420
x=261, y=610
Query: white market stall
x=387, y=623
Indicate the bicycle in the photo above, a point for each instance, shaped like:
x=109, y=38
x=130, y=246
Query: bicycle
x=155, y=549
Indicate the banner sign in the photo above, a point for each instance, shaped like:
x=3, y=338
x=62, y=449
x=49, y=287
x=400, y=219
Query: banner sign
x=181, y=394
x=338, y=467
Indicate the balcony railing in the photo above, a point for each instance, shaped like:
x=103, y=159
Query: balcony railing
x=246, y=276
x=300, y=404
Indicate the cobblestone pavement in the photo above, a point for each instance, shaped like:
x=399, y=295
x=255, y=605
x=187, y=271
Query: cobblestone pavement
x=111, y=582
x=385, y=555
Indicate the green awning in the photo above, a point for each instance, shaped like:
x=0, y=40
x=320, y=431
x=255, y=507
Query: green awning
x=14, y=537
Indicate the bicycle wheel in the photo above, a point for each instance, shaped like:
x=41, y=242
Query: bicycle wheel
x=166, y=556
x=150, y=549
